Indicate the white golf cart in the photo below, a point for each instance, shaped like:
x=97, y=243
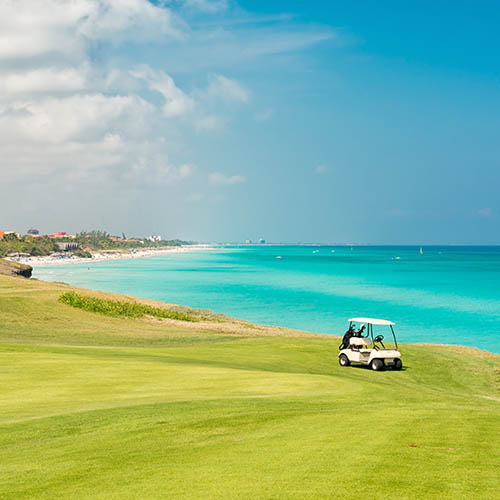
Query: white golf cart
x=362, y=347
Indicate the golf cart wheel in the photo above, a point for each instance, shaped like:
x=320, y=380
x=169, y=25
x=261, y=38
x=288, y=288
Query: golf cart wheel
x=398, y=364
x=344, y=360
x=377, y=365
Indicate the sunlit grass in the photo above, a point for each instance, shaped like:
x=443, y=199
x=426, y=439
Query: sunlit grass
x=94, y=406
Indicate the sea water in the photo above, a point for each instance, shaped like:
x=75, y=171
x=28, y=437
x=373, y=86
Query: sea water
x=447, y=295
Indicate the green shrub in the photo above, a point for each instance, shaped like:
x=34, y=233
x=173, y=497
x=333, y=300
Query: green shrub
x=122, y=309
x=82, y=253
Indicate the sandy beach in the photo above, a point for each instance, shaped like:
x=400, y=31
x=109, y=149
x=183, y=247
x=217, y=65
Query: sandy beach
x=105, y=255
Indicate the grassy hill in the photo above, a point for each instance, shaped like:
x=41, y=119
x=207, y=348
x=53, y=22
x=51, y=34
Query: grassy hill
x=96, y=407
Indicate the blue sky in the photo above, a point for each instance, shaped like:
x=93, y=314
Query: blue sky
x=369, y=122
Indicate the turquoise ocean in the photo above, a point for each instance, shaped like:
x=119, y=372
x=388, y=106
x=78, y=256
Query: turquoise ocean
x=448, y=295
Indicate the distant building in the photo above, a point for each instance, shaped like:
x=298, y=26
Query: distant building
x=248, y=242
x=72, y=245
x=33, y=232
x=262, y=241
x=7, y=233
x=62, y=234
x=154, y=238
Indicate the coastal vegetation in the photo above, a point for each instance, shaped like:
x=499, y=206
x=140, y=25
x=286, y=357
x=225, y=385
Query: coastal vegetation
x=101, y=240
x=120, y=308
x=85, y=242
x=109, y=406
x=27, y=245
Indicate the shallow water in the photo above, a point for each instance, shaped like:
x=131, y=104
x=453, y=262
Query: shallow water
x=445, y=295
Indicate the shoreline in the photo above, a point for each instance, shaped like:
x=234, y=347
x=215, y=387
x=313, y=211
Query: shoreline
x=106, y=255
x=43, y=266
x=473, y=349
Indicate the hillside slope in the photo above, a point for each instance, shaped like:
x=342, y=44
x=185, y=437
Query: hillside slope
x=97, y=407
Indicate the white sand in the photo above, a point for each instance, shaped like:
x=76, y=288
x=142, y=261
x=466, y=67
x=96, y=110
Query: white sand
x=108, y=255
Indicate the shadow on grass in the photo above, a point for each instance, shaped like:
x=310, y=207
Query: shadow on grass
x=366, y=367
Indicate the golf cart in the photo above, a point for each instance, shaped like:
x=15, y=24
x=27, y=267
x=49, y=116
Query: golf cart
x=362, y=347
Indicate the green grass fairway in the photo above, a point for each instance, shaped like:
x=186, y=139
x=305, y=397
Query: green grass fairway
x=99, y=407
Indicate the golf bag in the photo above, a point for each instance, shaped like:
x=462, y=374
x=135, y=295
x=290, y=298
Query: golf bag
x=345, y=339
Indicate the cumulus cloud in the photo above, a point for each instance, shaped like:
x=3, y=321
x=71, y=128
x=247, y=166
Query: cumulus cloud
x=176, y=102
x=42, y=81
x=218, y=178
x=31, y=28
x=199, y=106
x=64, y=113
x=79, y=111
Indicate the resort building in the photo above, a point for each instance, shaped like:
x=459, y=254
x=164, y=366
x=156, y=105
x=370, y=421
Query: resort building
x=61, y=234
x=67, y=245
x=7, y=233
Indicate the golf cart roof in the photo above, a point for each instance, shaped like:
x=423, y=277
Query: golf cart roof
x=372, y=321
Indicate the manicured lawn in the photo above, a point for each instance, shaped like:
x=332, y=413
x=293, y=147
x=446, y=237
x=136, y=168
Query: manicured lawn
x=98, y=407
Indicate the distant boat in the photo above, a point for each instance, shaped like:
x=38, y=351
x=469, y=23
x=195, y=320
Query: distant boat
x=333, y=251
x=279, y=257
x=421, y=251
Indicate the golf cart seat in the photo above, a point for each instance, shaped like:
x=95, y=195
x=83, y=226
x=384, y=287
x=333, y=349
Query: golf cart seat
x=360, y=341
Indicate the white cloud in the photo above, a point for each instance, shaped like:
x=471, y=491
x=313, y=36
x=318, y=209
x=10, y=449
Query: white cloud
x=65, y=114
x=226, y=89
x=200, y=106
x=276, y=42
x=131, y=19
x=77, y=113
x=218, y=178
x=43, y=81
x=485, y=212
x=32, y=28
x=176, y=101
x=75, y=118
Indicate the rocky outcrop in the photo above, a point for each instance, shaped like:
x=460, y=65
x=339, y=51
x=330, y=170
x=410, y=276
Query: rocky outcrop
x=10, y=268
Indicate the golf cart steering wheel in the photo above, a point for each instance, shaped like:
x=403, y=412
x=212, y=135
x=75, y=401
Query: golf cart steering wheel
x=379, y=339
